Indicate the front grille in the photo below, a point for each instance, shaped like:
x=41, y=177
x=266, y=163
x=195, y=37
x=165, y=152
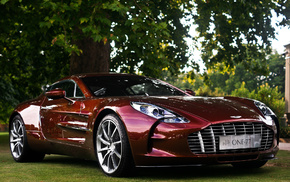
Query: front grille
x=206, y=141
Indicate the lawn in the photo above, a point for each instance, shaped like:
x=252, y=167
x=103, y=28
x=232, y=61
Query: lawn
x=62, y=168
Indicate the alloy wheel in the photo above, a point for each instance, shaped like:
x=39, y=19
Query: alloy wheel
x=17, y=138
x=109, y=146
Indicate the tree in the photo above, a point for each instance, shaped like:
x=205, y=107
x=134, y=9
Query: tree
x=276, y=77
x=264, y=93
x=27, y=60
x=238, y=31
x=41, y=41
x=149, y=33
x=44, y=40
x=233, y=78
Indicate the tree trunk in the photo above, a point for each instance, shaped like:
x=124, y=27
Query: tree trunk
x=94, y=58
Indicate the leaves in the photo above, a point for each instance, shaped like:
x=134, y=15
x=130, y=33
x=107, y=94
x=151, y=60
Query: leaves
x=39, y=37
x=153, y=38
x=270, y=96
x=4, y=1
x=239, y=31
x=27, y=58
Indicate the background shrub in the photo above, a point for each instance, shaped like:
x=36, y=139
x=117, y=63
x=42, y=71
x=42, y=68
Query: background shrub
x=285, y=132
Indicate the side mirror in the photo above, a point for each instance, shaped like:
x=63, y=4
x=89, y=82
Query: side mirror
x=44, y=87
x=190, y=92
x=55, y=94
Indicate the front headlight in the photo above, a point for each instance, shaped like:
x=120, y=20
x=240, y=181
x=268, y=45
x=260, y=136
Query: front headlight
x=264, y=109
x=158, y=112
x=267, y=112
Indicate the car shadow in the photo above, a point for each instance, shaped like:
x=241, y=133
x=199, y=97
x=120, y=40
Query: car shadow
x=70, y=161
x=216, y=171
x=169, y=173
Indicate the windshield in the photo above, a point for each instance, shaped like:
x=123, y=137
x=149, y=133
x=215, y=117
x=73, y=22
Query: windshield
x=129, y=86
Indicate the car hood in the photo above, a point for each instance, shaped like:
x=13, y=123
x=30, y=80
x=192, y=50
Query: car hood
x=212, y=109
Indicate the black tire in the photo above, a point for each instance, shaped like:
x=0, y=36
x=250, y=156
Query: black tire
x=19, y=147
x=250, y=164
x=112, y=147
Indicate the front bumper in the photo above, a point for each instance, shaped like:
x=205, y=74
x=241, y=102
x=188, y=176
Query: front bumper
x=169, y=145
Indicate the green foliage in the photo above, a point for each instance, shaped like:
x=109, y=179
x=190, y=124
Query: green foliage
x=151, y=38
x=27, y=59
x=147, y=35
x=276, y=77
x=241, y=83
x=270, y=96
x=237, y=31
x=204, y=91
x=38, y=38
x=241, y=92
x=230, y=79
x=285, y=132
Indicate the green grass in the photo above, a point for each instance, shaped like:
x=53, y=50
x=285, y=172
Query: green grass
x=62, y=168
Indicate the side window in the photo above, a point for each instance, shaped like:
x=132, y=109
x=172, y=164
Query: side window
x=79, y=93
x=70, y=88
x=57, y=85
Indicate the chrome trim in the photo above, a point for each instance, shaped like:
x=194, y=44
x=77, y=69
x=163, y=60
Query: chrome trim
x=213, y=140
x=201, y=142
x=235, y=117
x=206, y=141
x=79, y=128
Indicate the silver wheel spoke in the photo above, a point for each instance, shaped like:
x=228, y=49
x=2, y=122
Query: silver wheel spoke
x=13, y=148
x=117, y=154
x=108, y=162
x=109, y=130
x=117, y=142
x=113, y=133
x=13, y=133
x=20, y=135
x=114, y=162
x=103, y=149
x=19, y=131
x=105, y=142
x=106, y=156
x=105, y=133
x=20, y=144
x=14, y=127
x=15, y=140
x=18, y=149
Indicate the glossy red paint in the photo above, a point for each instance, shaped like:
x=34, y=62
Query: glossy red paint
x=55, y=94
x=61, y=125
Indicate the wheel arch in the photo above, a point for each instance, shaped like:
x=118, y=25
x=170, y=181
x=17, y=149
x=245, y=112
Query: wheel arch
x=99, y=118
x=15, y=113
x=126, y=160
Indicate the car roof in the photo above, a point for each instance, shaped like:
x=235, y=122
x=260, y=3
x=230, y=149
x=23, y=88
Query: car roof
x=103, y=74
x=84, y=75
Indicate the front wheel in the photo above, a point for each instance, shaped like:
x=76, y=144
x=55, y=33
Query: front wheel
x=19, y=145
x=249, y=164
x=113, y=148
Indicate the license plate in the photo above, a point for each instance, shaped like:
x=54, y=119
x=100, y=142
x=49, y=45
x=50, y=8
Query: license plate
x=239, y=141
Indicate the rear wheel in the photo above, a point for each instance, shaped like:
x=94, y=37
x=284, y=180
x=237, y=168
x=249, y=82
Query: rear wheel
x=113, y=148
x=18, y=143
x=249, y=164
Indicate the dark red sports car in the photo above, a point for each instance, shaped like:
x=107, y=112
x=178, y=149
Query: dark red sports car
x=125, y=121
